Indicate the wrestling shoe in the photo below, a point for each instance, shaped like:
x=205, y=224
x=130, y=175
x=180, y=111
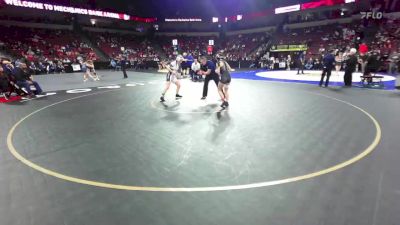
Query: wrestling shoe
x=162, y=99
x=225, y=105
x=203, y=98
x=178, y=96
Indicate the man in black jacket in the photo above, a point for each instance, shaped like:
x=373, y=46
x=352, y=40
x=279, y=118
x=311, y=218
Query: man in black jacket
x=300, y=62
x=4, y=84
x=123, y=66
x=328, y=63
x=351, y=64
x=372, y=63
x=24, y=79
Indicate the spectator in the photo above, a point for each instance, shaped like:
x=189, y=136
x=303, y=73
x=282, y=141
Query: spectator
x=372, y=64
x=33, y=69
x=195, y=69
x=328, y=63
x=300, y=63
x=60, y=67
x=24, y=79
x=363, y=48
x=4, y=84
x=42, y=68
x=394, y=62
x=351, y=64
x=309, y=65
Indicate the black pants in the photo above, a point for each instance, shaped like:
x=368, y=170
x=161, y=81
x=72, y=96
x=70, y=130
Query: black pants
x=194, y=76
x=348, y=77
x=301, y=68
x=124, y=72
x=4, y=86
x=214, y=77
x=27, y=86
x=325, y=72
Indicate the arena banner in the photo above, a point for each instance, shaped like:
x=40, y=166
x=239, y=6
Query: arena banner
x=286, y=9
x=322, y=3
x=288, y=48
x=75, y=10
x=183, y=20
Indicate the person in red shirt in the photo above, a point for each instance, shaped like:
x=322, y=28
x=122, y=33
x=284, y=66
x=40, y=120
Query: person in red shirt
x=363, y=48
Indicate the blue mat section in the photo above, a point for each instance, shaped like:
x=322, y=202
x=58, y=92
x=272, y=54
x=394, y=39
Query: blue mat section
x=251, y=75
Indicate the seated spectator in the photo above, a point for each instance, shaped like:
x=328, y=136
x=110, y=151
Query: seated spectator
x=4, y=84
x=309, y=65
x=60, y=67
x=42, y=68
x=194, y=69
x=33, y=68
x=51, y=67
x=8, y=67
x=24, y=79
x=113, y=64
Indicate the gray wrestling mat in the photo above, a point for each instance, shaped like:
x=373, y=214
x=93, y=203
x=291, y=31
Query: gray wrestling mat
x=282, y=154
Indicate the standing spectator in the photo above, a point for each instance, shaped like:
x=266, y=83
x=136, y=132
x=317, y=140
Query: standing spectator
x=123, y=67
x=351, y=64
x=338, y=62
x=363, y=50
x=372, y=64
x=288, y=62
x=328, y=63
x=300, y=62
x=394, y=62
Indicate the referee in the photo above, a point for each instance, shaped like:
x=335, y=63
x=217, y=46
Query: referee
x=123, y=67
x=208, y=70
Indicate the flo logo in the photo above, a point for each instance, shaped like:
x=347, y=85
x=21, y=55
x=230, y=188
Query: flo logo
x=372, y=15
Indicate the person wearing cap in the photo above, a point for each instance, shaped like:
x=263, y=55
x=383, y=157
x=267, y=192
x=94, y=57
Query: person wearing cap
x=174, y=72
x=351, y=64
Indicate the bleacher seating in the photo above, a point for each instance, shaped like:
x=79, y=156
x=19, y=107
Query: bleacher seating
x=45, y=44
x=135, y=47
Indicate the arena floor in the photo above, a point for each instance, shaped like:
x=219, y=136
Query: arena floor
x=109, y=152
